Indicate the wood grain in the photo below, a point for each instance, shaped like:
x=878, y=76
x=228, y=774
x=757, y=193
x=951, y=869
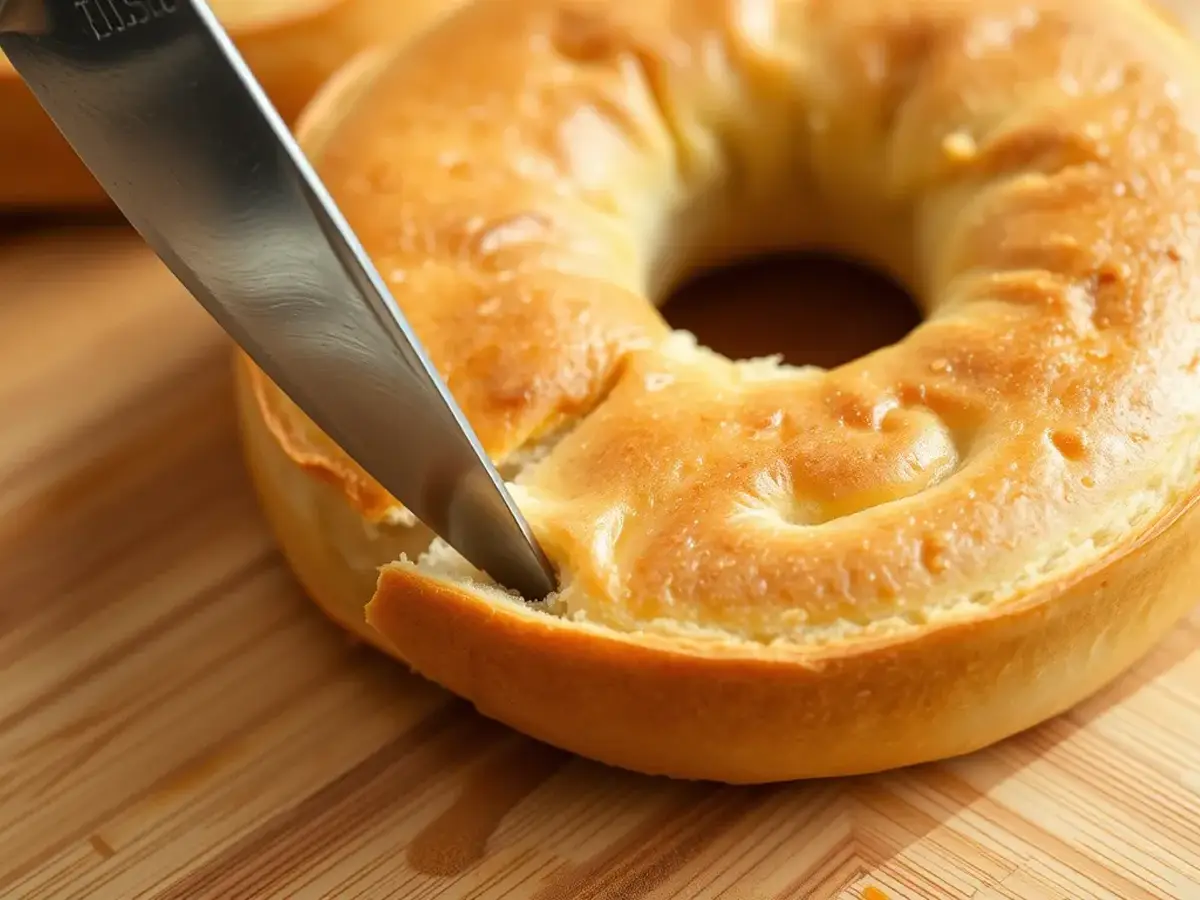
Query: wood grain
x=177, y=721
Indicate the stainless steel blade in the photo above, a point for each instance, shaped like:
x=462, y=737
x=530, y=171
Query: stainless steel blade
x=161, y=108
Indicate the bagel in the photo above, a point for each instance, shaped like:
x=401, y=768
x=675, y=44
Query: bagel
x=770, y=572
x=293, y=47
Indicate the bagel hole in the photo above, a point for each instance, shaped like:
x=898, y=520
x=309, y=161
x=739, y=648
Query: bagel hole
x=811, y=309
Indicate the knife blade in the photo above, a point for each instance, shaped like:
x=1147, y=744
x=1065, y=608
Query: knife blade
x=158, y=103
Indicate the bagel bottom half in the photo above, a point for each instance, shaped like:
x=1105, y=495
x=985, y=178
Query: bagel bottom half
x=712, y=712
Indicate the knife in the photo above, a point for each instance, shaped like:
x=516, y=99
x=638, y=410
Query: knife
x=159, y=105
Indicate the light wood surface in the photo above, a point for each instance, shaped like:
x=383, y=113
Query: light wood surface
x=177, y=721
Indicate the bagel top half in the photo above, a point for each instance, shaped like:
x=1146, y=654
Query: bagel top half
x=292, y=46
x=771, y=572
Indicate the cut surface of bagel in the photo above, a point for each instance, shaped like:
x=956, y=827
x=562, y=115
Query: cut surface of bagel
x=292, y=46
x=772, y=572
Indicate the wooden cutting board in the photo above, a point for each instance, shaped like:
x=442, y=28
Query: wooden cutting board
x=177, y=721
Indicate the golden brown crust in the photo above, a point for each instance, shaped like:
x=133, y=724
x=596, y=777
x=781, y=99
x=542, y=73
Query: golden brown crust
x=793, y=573
x=293, y=46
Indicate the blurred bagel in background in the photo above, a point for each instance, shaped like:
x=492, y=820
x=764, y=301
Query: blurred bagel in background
x=293, y=46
